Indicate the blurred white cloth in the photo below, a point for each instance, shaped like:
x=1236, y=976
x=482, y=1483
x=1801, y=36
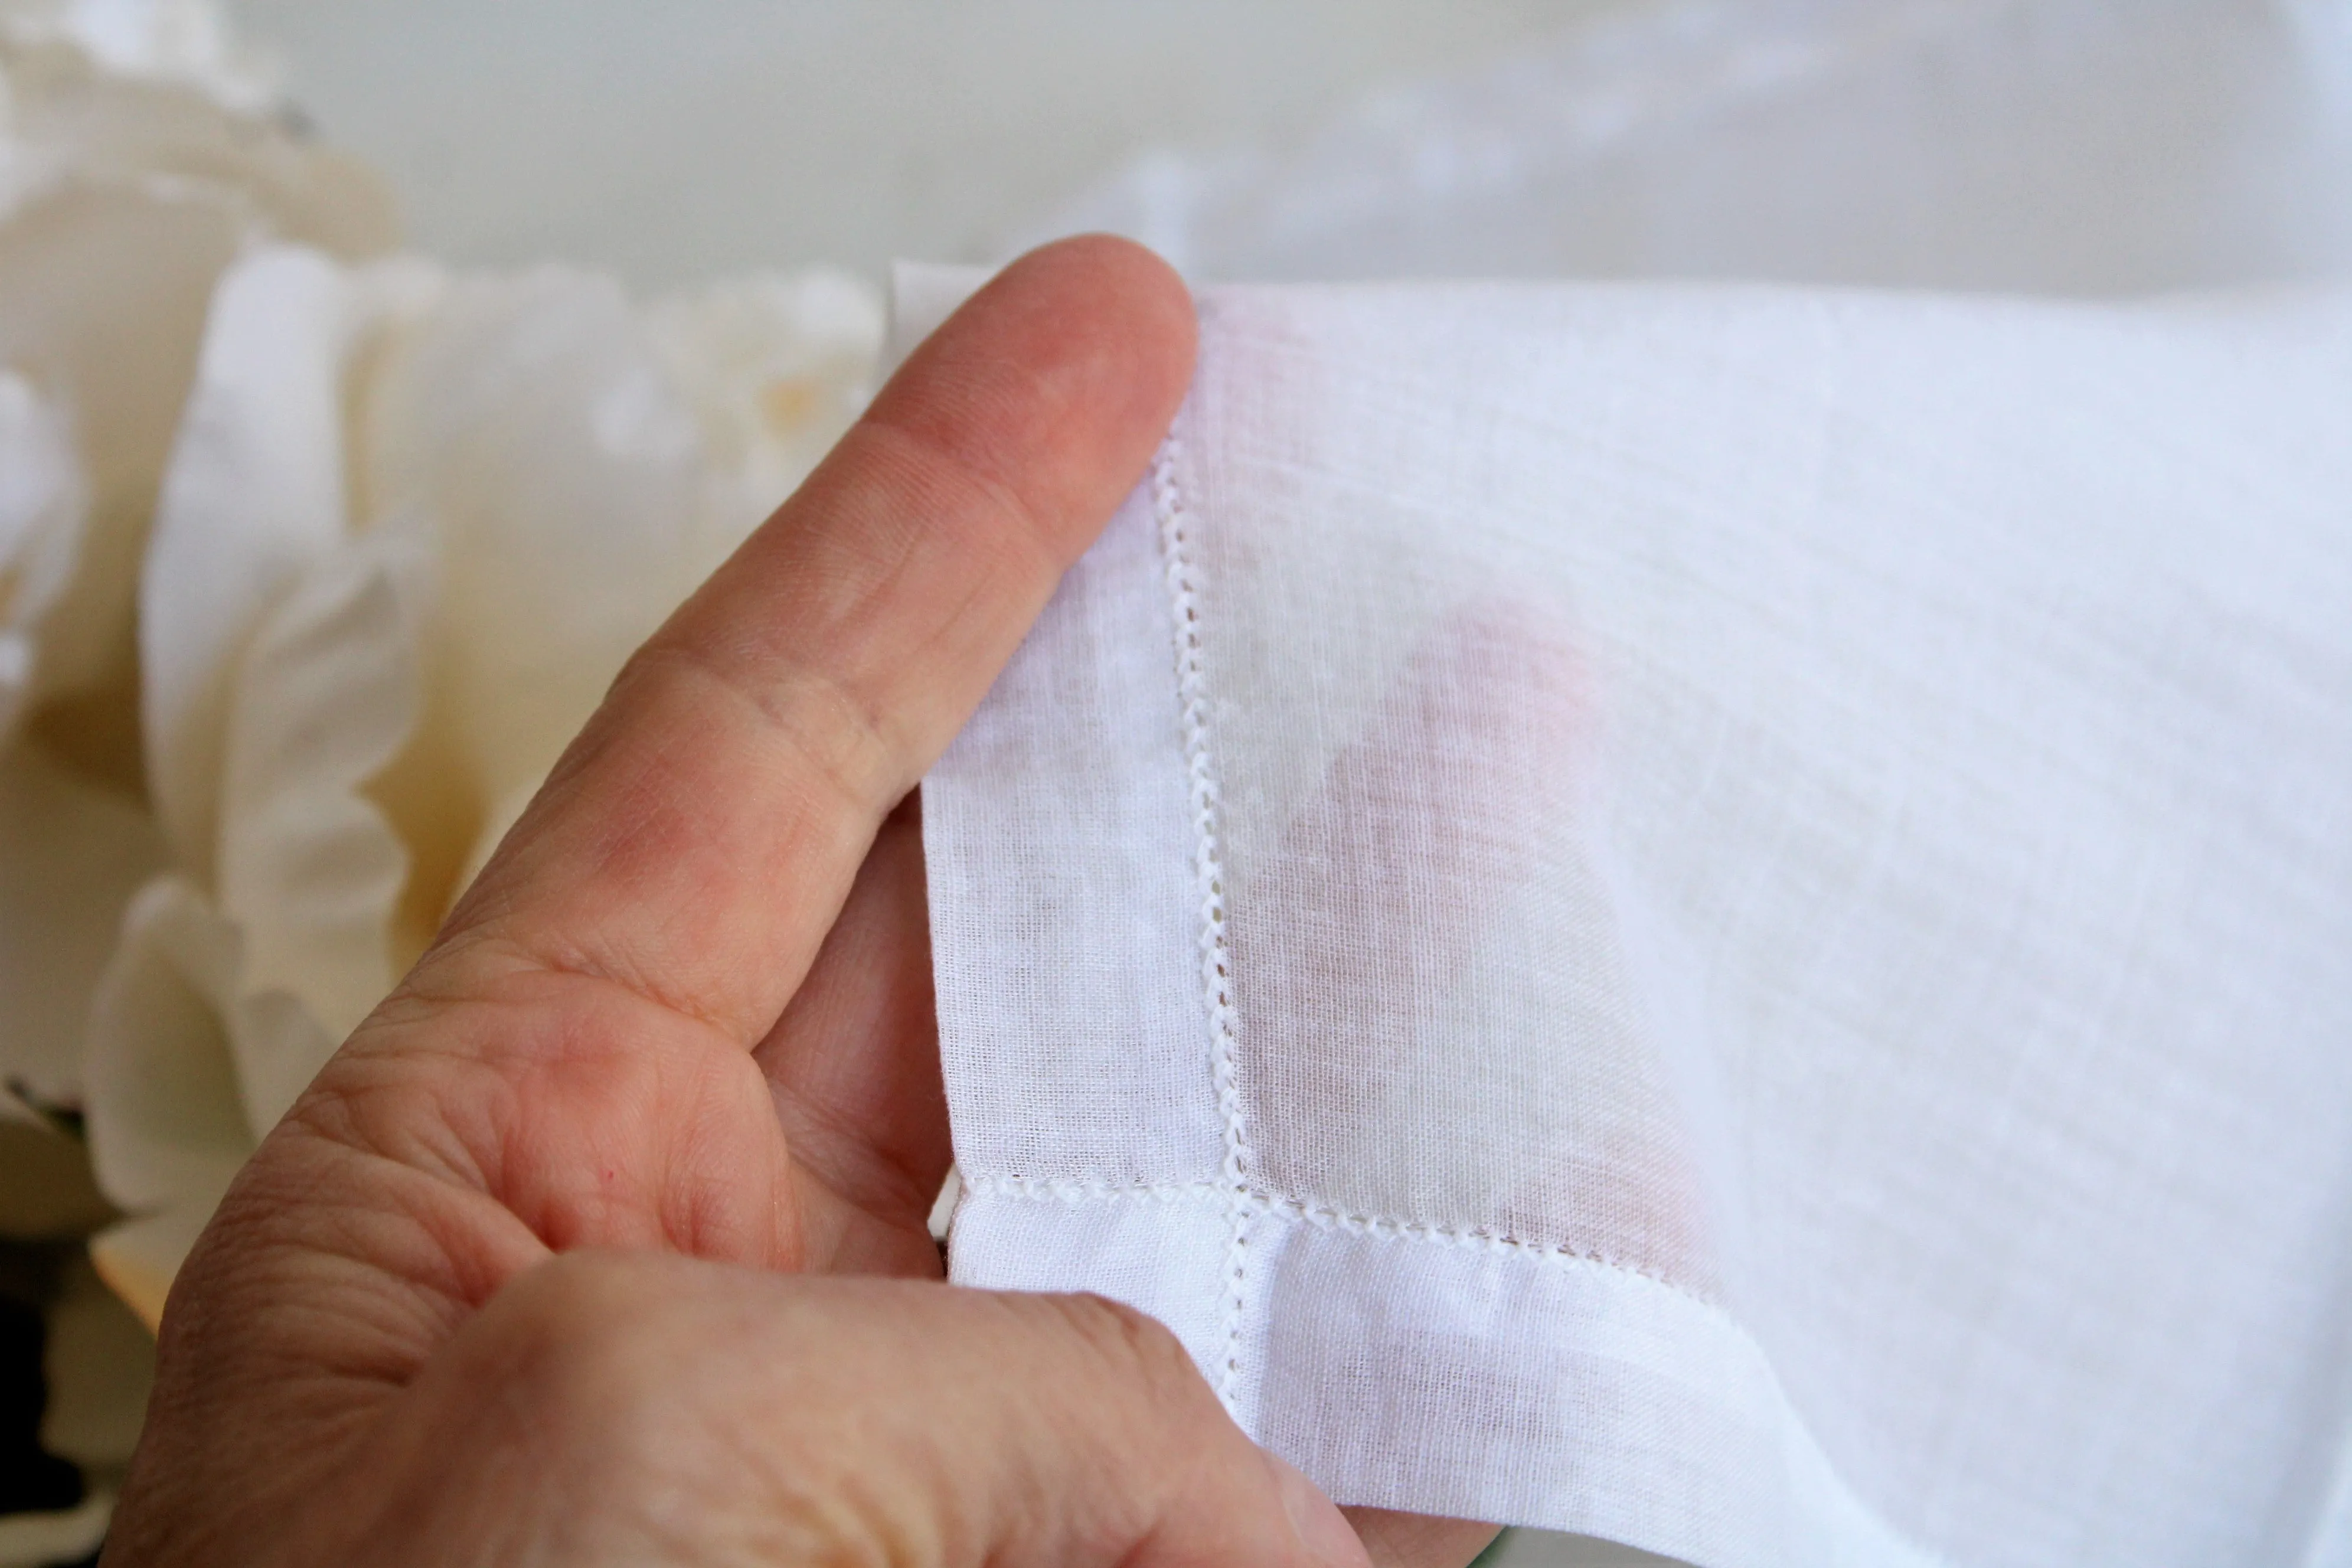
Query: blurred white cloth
x=2081, y=146
x=1722, y=915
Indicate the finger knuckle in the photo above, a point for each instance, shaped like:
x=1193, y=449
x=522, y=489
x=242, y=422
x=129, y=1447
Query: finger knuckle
x=571, y=1336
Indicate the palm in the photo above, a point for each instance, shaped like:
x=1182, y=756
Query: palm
x=596, y=1115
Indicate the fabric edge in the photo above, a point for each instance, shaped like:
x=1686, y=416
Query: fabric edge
x=1338, y=1351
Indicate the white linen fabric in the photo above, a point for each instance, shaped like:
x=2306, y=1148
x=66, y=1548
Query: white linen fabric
x=1721, y=915
x=1718, y=916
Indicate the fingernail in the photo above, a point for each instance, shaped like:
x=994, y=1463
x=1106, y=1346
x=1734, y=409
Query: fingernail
x=1322, y=1528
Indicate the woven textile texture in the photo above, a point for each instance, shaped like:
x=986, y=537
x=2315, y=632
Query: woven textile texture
x=1718, y=913
x=1716, y=916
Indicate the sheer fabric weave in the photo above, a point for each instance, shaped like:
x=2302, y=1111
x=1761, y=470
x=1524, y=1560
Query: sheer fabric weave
x=1718, y=916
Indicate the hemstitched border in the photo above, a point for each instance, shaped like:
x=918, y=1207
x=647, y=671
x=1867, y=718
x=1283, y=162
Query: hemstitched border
x=1216, y=974
x=1255, y=1201
x=1881, y=1543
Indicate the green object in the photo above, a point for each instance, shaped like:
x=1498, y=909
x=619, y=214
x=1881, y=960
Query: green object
x=1493, y=1552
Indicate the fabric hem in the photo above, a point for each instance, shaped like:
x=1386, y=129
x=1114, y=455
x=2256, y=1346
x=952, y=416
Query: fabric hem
x=1254, y=1201
x=1605, y=1360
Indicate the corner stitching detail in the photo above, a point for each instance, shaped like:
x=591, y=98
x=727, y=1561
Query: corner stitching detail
x=1259, y=1202
x=1216, y=976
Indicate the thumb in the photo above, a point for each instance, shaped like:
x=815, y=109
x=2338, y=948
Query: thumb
x=638, y=1408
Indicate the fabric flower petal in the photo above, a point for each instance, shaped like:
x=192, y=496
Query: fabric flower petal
x=121, y=203
x=773, y=367
x=43, y=502
x=181, y=41
x=71, y=854
x=255, y=493
x=167, y=1125
x=104, y=292
x=529, y=428
x=311, y=869
x=35, y=1540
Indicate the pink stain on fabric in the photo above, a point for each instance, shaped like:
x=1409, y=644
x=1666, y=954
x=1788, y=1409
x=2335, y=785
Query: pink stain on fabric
x=1429, y=922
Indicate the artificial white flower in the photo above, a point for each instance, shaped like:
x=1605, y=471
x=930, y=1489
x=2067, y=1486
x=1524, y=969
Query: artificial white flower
x=122, y=199
x=139, y=158
x=186, y=42
x=41, y=508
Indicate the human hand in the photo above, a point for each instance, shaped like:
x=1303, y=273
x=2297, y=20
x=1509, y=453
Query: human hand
x=531, y=1272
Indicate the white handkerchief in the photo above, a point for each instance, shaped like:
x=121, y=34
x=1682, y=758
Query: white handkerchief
x=1716, y=916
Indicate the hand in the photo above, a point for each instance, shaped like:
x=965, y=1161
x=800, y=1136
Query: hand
x=602, y=1239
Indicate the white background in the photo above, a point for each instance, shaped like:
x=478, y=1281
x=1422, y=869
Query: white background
x=673, y=140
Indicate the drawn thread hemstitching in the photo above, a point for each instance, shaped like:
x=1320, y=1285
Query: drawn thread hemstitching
x=1259, y=1202
x=1216, y=969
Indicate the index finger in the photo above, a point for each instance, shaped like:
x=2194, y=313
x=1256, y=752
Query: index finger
x=697, y=840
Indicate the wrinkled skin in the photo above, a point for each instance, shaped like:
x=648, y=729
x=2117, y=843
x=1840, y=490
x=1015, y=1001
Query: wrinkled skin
x=603, y=1240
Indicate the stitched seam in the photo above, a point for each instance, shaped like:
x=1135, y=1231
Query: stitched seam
x=1258, y=1201
x=1216, y=968
x=1080, y=1190
x=1324, y=1217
